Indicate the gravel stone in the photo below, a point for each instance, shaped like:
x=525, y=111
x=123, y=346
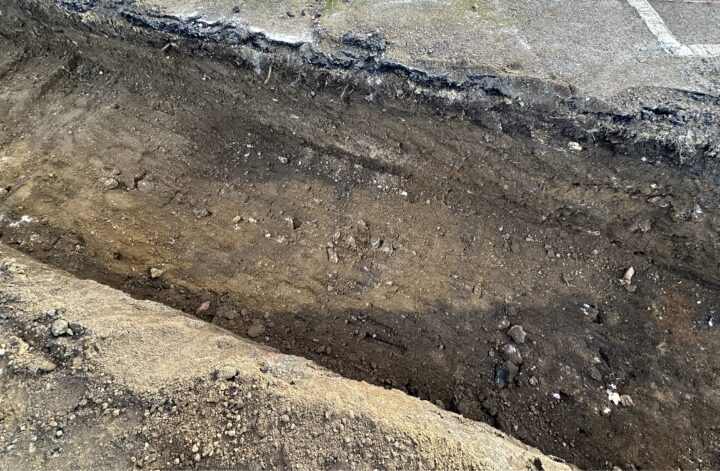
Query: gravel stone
x=517, y=333
x=256, y=330
x=107, y=183
x=511, y=353
x=226, y=372
x=59, y=327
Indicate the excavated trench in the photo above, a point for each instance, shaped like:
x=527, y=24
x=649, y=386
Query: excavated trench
x=385, y=237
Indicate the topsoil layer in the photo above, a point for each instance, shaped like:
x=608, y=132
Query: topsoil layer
x=386, y=237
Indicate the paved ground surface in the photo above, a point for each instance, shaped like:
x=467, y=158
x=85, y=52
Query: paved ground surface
x=692, y=22
x=600, y=46
x=93, y=379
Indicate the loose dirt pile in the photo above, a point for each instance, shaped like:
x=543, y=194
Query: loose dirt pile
x=386, y=239
x=93, y=379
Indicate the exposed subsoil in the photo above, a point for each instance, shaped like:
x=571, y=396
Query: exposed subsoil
x=94, y=379
x=384, y=239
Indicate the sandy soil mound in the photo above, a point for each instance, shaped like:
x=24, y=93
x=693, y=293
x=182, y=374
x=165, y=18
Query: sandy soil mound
x=92, y=378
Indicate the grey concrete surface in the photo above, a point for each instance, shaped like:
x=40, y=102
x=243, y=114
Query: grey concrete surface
x=692, y=22
x=602, y=47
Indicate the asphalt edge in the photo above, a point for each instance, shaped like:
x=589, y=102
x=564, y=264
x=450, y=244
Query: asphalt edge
x=677, y=127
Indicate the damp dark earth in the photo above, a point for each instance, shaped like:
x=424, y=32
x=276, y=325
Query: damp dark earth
x=562, y=287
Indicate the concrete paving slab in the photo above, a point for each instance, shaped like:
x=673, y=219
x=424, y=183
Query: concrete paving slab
x=602, y=47
x=691, y=22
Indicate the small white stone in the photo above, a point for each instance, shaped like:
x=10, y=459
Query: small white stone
x=59, y=327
